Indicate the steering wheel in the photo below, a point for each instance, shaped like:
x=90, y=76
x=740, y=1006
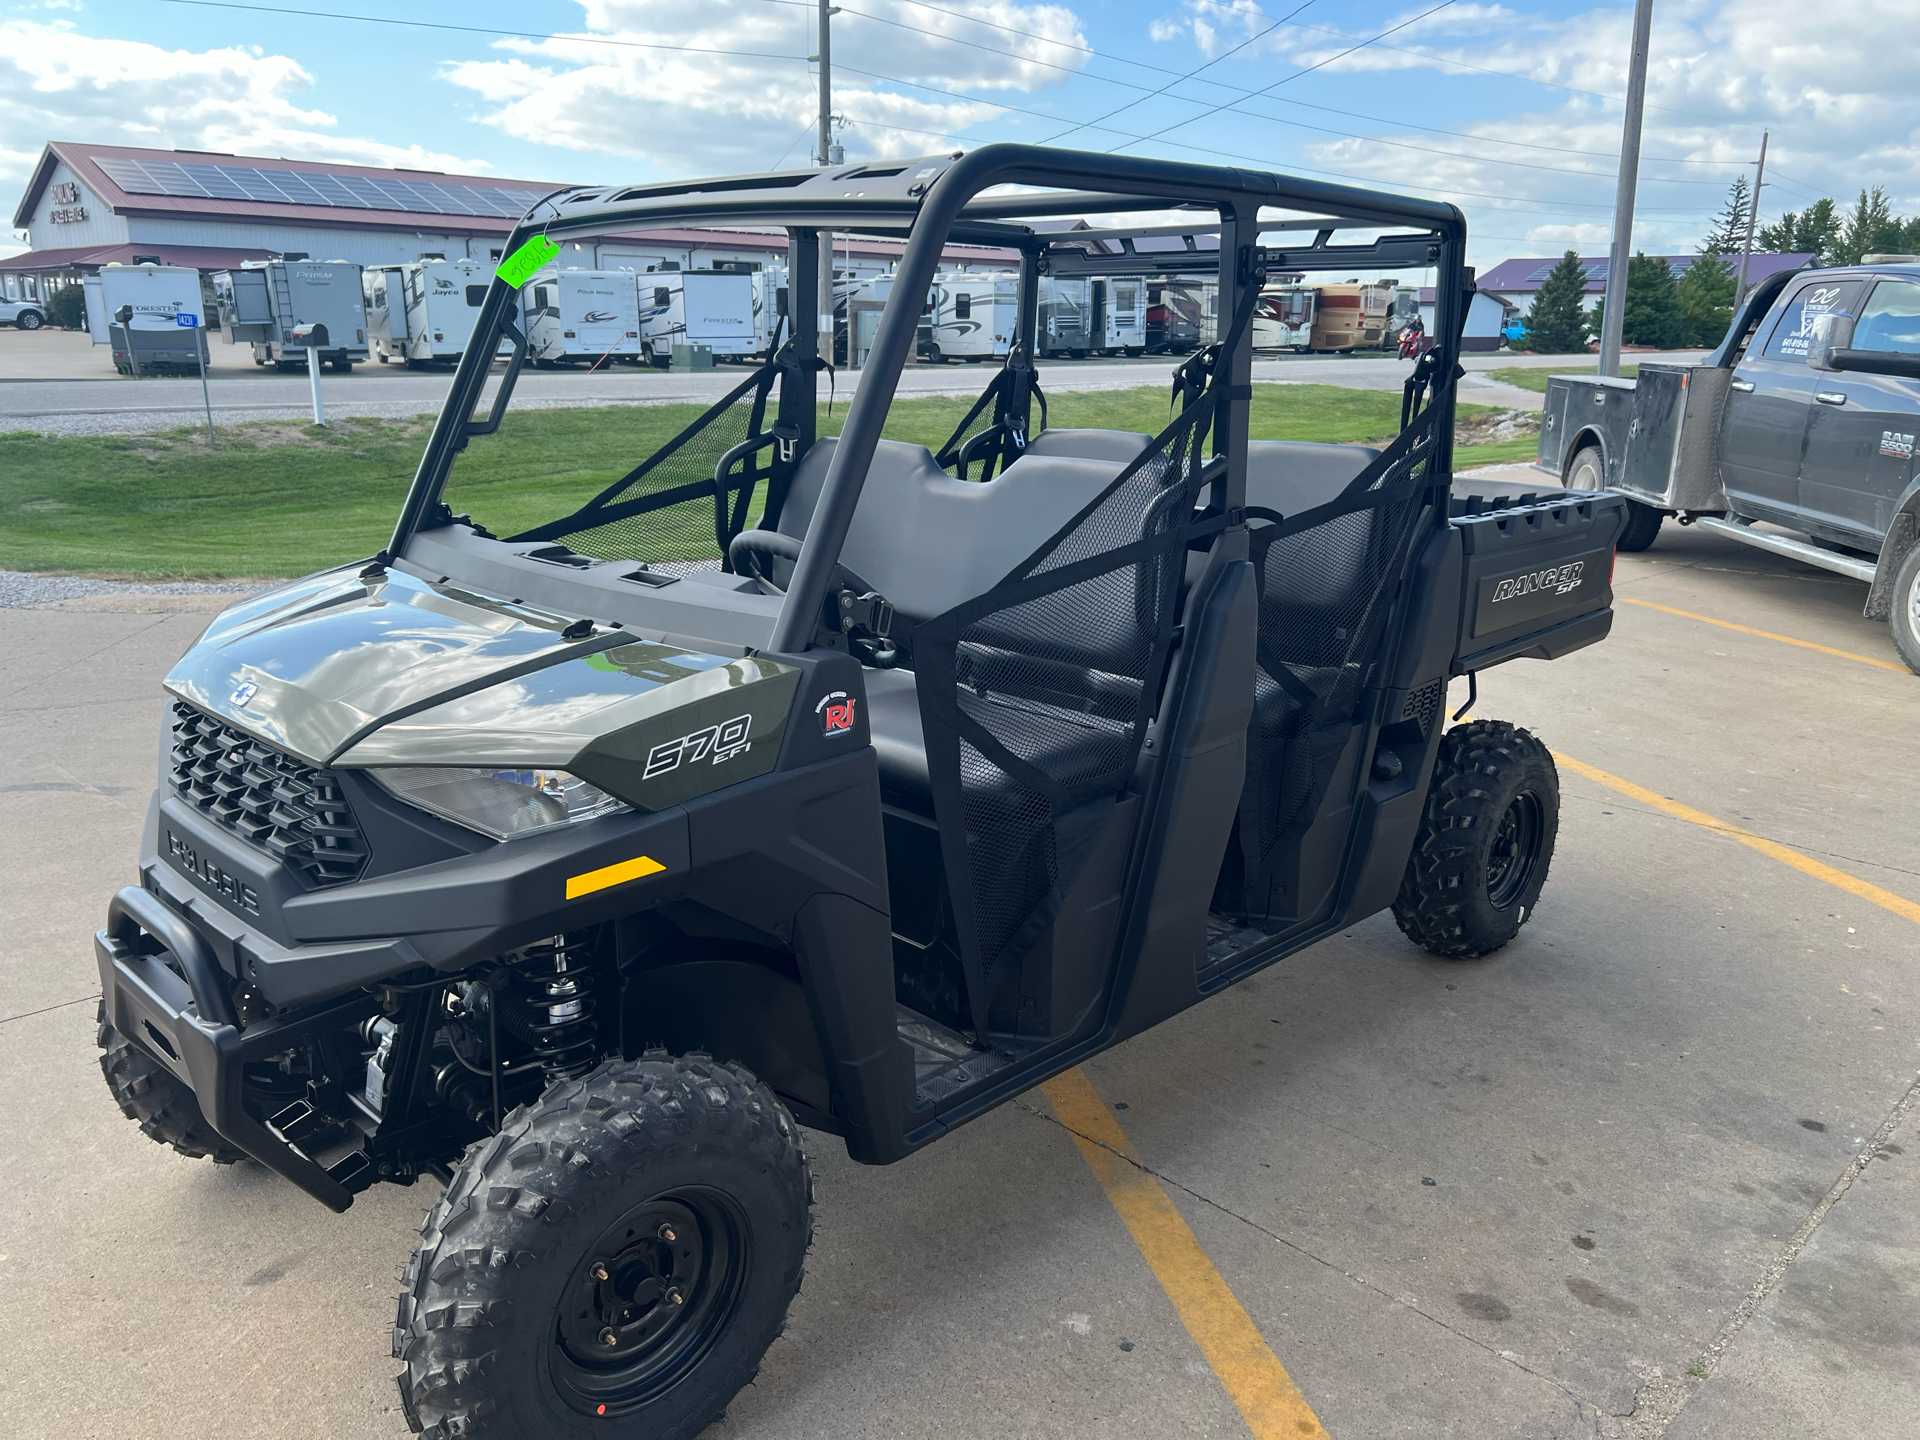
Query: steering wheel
x=749, y=546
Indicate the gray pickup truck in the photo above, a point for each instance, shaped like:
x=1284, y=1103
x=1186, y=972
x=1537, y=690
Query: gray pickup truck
x=1804, y=418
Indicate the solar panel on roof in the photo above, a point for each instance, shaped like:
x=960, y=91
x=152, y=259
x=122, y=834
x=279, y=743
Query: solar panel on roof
x=198, y=181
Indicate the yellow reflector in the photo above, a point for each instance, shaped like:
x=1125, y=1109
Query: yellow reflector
x=634, y=869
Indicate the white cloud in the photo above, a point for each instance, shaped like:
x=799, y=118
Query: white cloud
x=1720, y=72
x=59, y=84
x=689, y=112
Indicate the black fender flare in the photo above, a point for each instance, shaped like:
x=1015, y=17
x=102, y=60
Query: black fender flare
x=1901, y=537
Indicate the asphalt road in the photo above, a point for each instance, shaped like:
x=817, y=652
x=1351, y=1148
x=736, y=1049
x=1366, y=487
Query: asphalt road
x=52, y=381
x=1653, y=1170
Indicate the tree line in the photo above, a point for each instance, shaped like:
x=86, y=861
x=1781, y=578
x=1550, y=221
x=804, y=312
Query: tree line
x=1695, y=308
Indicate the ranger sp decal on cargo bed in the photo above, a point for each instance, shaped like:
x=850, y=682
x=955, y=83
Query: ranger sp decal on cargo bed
x=1561, y=580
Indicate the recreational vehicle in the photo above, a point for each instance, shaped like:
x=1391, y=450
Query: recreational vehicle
x=152, y=337
x=1284, y=319
x=265, y=300
x=972, y=316
x=770, y=319
x=575, y=315
x=1351, y=316
x=713, y=308
x=1180, y=315
x=422, y=314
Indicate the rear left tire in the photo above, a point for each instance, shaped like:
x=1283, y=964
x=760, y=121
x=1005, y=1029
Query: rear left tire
x=614, y=1263
x=30, y=320
x=1904, y=620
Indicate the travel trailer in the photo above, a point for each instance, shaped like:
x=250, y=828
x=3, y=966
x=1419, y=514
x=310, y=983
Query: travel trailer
x=263, y=301
x=972, y=316
x=713, y=308
x=582, y=315
x=422, y=314
x=770, y=309
x=152, y=339
x=1098, y=316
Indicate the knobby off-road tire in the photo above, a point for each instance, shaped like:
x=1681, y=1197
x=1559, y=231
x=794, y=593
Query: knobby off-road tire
x=1904, y=618
x=614, y=1263
x=1485, y=841
x=150, y=1096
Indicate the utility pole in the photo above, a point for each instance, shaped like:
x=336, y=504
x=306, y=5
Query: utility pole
x=1616, y=303
x=1753, y=213
x=823, y=156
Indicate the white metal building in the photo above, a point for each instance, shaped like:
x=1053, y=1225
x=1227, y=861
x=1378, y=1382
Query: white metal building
x=87, y=205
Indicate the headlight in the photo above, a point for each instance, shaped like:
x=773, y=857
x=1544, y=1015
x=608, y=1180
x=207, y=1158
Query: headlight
x=505, y=804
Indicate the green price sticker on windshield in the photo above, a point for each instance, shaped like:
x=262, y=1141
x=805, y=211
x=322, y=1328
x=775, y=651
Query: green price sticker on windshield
x=520, y=267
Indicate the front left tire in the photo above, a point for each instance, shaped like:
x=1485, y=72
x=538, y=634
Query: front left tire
x=614, y=1263
x=30, y=320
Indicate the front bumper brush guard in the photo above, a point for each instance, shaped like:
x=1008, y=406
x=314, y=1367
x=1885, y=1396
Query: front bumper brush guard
x=188, y=1026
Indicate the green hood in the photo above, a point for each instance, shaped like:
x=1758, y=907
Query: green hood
x=396, y=671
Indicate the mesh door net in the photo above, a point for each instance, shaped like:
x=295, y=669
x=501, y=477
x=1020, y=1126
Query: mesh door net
x=675, y=509
x=1035, y=697
x=1327, y=578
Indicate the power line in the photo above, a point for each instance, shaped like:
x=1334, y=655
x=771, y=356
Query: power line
x=588, y=40
x=1089, y=124
x=1288, y=79
x=1257, y=115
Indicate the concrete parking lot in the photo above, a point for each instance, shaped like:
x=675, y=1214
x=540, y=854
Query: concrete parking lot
x=1654, y=1170
x=58, y=382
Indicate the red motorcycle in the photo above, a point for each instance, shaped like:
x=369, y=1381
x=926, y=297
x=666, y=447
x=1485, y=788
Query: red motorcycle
x=1412, y=339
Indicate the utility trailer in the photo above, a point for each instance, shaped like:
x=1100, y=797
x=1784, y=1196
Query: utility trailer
x=264, y=301
x=152, y=340
x=973, y=316
x=421, y=314
x=713, y=308
x=1794, y=436
x=796, y=780
x=575, y=316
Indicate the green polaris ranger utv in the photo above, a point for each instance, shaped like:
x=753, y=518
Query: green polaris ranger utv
x=827, y=782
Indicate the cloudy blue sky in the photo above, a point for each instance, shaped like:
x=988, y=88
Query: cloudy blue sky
x=1511, y=111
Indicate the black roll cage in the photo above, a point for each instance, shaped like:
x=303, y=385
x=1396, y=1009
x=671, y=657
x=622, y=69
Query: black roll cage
x=934, y=201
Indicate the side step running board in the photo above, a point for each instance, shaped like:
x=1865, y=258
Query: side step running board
x=1788, y=545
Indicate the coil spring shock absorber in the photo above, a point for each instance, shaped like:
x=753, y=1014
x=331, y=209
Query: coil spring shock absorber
x=554, y=981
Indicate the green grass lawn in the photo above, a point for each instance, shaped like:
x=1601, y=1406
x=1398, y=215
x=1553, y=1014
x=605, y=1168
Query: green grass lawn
x=1536, y=379
x=279, y=498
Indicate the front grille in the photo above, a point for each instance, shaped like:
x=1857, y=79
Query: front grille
x=292, y=811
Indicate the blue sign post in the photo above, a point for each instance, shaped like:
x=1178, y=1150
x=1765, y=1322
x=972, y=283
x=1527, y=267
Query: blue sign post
x=187, y=320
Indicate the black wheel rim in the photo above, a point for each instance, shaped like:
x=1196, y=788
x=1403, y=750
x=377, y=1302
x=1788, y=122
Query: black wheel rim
x=1515, y=850
x=648, y=1300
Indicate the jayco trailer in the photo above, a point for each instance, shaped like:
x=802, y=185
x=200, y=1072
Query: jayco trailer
x=1284, y=320
x=153, y=338
x=587, y=315
x=422, y=314
x=972, y=316
x=264, y=301
x=713, y=308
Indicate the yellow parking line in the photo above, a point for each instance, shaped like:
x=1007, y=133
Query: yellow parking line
x=1763, y=634
x=1258, y=1383
x=1805, y=864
